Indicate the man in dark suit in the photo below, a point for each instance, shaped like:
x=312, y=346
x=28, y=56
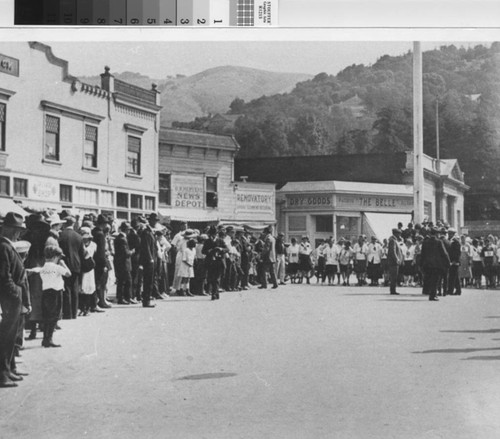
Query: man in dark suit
x=12, y=282
x=454, y=287
x=123, y=266
x=71, y=244
x=434, y=260
x=134, y=243
x=147, y=260
x=102, y=264
x=394, y=259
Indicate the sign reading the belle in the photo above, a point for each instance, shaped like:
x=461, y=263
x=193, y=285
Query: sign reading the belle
x=365, y=202
x=187, y=191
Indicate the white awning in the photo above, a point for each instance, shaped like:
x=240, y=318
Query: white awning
x=7, y=205
x=381, y=224
x=190, y=215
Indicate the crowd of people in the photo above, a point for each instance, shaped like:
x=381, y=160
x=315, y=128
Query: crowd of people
x=56, y=267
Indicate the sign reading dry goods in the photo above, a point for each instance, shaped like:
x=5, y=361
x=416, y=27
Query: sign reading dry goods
x=187, y=191
x=309, y=201
x=9, y=65
x=375, y=203
x=255, y=201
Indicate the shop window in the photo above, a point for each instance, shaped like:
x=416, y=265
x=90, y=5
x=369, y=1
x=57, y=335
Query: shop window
x=165, y=189
x=347, y=227
x=52, y=126
x=3, y=121
x=297, y=223
x=122, y=215
x=90, y=147
x=106, y=199
x=149, y=203
x=136, y=201
x=20, y=187
x=4, y=185
x=134, y=156
x=428, y=210
x=324, y=223
x=86, y=196
x=66, y=193
x=122, y=199
x=211, y=192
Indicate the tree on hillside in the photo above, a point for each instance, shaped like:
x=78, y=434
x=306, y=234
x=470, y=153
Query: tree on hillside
x=393, y=130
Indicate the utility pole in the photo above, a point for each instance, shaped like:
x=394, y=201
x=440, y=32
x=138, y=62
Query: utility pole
x=438, y=163
x=418, y=137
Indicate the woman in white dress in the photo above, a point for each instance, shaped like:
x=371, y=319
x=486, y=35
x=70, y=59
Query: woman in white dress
x=186, y=269
x=88, y=279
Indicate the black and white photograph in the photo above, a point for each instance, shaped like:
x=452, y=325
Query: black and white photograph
x=223, y=237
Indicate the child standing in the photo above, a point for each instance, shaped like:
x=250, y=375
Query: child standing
x=186, y=270
x=51, y=273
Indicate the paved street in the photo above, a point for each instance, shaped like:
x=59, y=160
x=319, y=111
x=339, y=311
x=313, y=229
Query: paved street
x=297, y=362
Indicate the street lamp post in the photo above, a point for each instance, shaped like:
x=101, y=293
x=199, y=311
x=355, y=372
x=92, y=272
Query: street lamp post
x=418, y=138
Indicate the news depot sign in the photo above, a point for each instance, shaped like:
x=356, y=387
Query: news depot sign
x=188, y=191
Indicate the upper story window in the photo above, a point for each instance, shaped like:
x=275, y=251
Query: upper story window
x=90, y=147
x=211, y=192
x=134, y=155
x=52, y=131
x=165, y=189
x=3, y=120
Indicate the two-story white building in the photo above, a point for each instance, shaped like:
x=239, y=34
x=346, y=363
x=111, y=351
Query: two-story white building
x=67, y=144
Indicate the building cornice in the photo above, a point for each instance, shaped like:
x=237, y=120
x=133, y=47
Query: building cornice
x=138, y=104
x=72, y=112
x=5, y=94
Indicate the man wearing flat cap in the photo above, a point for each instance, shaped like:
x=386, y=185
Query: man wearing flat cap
x=148, y=258
x=433, y=260
x=71, y=244
x=394, y=259
x=12, y=282
x=123, y=265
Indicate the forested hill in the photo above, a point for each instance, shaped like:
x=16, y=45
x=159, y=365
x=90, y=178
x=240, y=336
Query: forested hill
x=366, y=109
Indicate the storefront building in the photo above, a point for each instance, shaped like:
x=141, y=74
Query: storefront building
x=66, y=144
x=196, y=182
x=310, y=204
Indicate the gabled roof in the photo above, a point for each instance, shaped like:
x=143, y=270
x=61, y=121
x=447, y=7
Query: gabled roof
x=174, y=136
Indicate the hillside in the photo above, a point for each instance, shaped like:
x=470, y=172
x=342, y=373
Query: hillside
x=186, y=97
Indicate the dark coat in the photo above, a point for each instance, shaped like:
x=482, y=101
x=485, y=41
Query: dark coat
x=100, y=257
x=434, y=254
x=455, y=251
x=148, y=247
x=12, y=274
x=71, y=244
x=394, y=252
x=123, y=253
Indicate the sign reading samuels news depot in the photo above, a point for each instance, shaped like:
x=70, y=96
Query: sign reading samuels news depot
x=255, y=202
x=188, y=191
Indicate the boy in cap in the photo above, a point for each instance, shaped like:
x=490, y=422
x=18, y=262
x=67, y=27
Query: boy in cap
x=52, y=273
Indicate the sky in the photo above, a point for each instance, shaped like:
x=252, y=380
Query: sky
x=161, y=59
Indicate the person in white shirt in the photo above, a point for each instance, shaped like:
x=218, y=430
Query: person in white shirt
x=374, y=260
x=51, y=273
x=292, y=258
x=330, y=253
x=409, y=263
x=177, y=242
x=360, y=250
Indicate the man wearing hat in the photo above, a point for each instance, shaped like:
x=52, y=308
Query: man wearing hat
x=71, y=244
x=177, y=241
x=280, y=258
x=148, y=258
x=134, y=243
x=269, y=259
x=123, y=266
x=433, y=260
x=454, y=287
x=101, y=259
x=394, y=259
x=12, y=281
